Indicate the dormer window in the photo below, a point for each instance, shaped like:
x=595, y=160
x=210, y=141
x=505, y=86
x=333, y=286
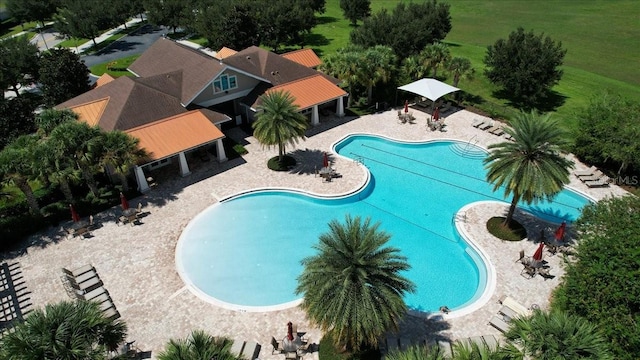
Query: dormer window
x=225, y=83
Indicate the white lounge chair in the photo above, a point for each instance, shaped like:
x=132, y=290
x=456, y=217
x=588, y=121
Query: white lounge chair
x=477, y=122
x=602, y=182
x=499, y=323
x=515, y=306
x=589, y=172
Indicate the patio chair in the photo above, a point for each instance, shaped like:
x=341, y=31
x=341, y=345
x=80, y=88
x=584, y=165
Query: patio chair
x=589, y=172
x=477, y=122
x=511, y=303
x=508, y=312
x=544, y=272
x=490, y=341
x=445, y=349
x=250, y=350
x=276, y=347
x=86, y=285
x=528, y=271
x=236, y=348
x=523, y=259
x=91, y=294
x=497, y=130
x=499, y=323
x=486, y=125
x=604, y=182
x=597, y=175
x=79, y=271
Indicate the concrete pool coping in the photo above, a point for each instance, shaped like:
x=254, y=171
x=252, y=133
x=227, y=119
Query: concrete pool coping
x=137, y=264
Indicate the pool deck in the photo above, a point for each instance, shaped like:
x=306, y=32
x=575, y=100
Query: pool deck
x=136, y=263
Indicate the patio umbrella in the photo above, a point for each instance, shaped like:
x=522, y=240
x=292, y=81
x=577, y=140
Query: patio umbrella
x=537, y=256
x=325, y=160
x=406, y=106
x=290, y=331
x=436, y=114
x=560, y=232
x=123, y=202
x=74, y=214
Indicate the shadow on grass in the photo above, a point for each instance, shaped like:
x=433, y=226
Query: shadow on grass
x=326, y=19
x=549, y=101
x=316, y=40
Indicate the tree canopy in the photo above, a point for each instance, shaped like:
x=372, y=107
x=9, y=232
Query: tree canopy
x=62, y=76
x=532, y=166
x=407, y=29
x=64, y=331
x=285, y=22
x=230, y=23
x=85, y=18
x=17, y=118
x=355, y=10
x=171, y=13
x=32, y=10
x=18, y=63
x=526, y=66
x=608, y=131
x=354, y=286
x=602, y=284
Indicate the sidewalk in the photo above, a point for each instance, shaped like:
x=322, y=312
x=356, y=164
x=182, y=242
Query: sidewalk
x=48, y=40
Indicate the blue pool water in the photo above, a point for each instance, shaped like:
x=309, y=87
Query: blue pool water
x=247, y=250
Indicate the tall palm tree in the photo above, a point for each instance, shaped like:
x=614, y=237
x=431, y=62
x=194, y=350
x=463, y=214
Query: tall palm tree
x=48, y=119
x=78, y=141
x=558, y=335
x=64, y=331
x=413, y=68
x=60, y=170
x=435, y=55
x=198, y=346
x=376, y=66
x=120, y=152
x=18, y=165
x=532, y=166
x=353, y=286
x=343, y=64
x=278, y=121
x=460, y=68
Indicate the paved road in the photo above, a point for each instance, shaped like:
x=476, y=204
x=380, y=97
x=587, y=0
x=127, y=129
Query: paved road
x=133, y=44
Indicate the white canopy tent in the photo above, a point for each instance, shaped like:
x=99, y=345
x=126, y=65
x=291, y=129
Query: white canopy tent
x=432, y=89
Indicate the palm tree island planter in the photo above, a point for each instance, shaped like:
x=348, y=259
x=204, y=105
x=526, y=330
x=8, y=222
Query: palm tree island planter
x=285, y=164
x=513, y=231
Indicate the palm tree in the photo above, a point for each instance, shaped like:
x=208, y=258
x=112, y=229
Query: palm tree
x=198, y=346
x=353, y=286
x=120, y=152
x=416, y=352
x=558, y=335
x=18, y=165
x=48, y=119
x=278, y=121
x=413, y=68
x=460, y=68
x=64, y=331
x=78, y=141
x=532, y=166
x=435, y=55
x=343, y=64
x=376, y=66
x=465, y=350
x=59, y=170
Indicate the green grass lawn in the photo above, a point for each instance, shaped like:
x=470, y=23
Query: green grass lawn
x=9, y=28
x=600, y=38
x=122, y=63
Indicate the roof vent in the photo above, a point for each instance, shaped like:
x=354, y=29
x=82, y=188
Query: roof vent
x=277, y=72
x=273, y=73
x=248, y=57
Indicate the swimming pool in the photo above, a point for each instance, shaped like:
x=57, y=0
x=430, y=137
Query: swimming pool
x=245, y=251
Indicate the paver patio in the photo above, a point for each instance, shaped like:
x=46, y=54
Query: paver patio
x=136, y=263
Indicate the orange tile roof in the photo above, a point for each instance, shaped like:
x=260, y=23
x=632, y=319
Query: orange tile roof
x=104, y=79
x=313, y=90
x=91, y=112
x=175, y=134
x=306, y=57
x=224, y=52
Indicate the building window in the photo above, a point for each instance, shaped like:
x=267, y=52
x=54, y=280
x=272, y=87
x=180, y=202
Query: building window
x=225, y=83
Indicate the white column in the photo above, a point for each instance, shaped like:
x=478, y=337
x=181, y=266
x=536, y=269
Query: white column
x=315, y=118
x=340, y=107
x=222, y=156
x=184, y=167
x=143, y=186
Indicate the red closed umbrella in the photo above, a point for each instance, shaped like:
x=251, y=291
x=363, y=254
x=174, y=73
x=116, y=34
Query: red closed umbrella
x=123, y=202
x=325, y=160
x=537, y=256
x=290, y=331
x=406, y=106
x=74, y=214
x=559, y=235
x=436, y=114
